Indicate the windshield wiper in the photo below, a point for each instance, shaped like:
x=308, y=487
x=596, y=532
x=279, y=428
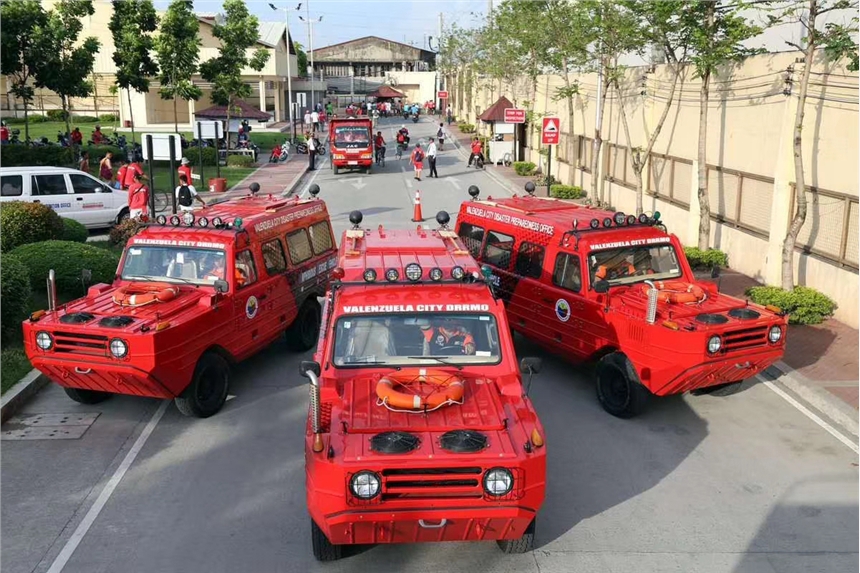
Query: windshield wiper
x=437, y=359
x=161, y=279
x=362, y=360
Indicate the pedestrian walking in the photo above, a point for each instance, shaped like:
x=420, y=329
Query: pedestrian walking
x=84, y=164
x=106, y=168
x=312, y=152
x=418, y=161
x=431, y=157
x=440, y=135
x=138, y=198
x=186, y=194
x=120, y=174
x=315, y=120
x=185, y=169
x=449, y=113
x=308, y=124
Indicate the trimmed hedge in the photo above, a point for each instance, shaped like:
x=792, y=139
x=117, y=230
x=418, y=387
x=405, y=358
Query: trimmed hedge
x=524, y=167
x=84, y=119
x=805, y=305
x=15, y=293
x=98, y=151
x=57, y=114
x=74, y=231
x=108, y=117
x=566, y=192
x=240, y=161
x=31, y=118
x=466, y=127
x=22, y=223
x=68, y=260
x=704, y=260
x=120, y=234
x=26, y=156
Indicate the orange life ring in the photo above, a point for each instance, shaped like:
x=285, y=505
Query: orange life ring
x=141, y=295
x=444, y=389
x=677, y=292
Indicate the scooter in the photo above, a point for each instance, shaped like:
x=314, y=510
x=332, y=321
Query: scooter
x=478, y=160
x=415, y=118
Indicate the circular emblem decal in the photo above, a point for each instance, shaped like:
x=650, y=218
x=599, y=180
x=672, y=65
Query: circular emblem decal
x=562, y=310
x=251, y=307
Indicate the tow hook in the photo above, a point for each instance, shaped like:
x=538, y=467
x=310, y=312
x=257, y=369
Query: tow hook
x=745, y=365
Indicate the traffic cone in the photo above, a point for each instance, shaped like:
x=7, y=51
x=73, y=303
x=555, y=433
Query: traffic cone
x=416, y=212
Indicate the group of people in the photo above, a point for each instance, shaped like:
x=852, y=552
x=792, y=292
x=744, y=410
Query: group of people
x=316, y=117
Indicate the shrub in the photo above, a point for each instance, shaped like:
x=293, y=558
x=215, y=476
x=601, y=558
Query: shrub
x=120, y=234
x=193, y=154
x=805, y=305
x=707, y=259
x=74, y=231
x=15, y=365
x=22, y=223
x=84, y=119
x=31, y=118
x=239, y=161
x=57, y=114
x=36, y=118
x=524, y=167
x=23, y=155
x=68, y=260
x=547, y=180
x=98, y=151
x=566, y=192
x=15, y=293
x=108, y=117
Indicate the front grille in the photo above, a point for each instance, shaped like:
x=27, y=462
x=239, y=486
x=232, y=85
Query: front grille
x=437, y=484
x=76, y=343
x=744, y=338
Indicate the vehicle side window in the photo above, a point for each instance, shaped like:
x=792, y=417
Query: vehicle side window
x=320, y=237
x=11, y=185
x=83, y=184
x=299, y=246
x=530, y=260
x=472, y=236
x=49, y=185
x=498, y=250
x=246, y=272
x=567, y=273
x=273, y=257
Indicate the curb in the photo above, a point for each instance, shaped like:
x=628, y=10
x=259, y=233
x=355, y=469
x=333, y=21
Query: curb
x=18, y=394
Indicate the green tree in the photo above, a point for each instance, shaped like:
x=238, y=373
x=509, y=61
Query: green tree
x=132, y=24
x=837, y=42
x=65, y=60
x=19, y=53
x=178, y=49
x=238, y=32
x=301, y=59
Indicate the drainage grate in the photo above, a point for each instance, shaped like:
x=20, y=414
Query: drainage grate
x=47, y=426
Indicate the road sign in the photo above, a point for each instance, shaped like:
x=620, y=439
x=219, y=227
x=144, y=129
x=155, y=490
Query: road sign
x=443, y=95
x=550, y=133
x=514, y=115
x=161, y=146
x=209, y=129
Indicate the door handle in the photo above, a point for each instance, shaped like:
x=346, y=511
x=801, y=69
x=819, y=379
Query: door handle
x=545, y=299
x=79, y=198
x=440, y=525
x=263, y=296
x=35, y=200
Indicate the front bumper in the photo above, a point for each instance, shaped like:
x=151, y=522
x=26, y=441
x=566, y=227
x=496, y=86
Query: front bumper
x=715, y=372
x=116, y=378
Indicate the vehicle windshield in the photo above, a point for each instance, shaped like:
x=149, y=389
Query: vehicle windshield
x=351, y=136
x=634, y=264
x=416, y=340
x=174, y=264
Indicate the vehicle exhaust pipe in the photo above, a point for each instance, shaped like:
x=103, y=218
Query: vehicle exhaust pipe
x=52, y=290
x=315, y=410
x=651, y=311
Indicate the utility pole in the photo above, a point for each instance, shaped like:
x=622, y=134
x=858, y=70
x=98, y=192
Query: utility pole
x=289, y=68
x=311, y=44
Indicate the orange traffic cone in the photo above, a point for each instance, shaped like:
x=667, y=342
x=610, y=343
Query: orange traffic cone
x=416, y=213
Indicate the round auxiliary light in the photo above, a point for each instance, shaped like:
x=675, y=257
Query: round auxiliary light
x=775, y=334
x=436, y=274
x=607, y=222
x=631, y=219
x=457, y=273
x=337, y=273
x=413, y=272
x=44, y=340
x=714, y=344
x=188, y=218
x=656, y=215
x=498, y=482
x=203, y=222
x=218, y=221
x=391, y=275
x=161, y=220
x=369, y=275
x=118, y=348
x=594, y=223
x=237, y=222
x=643, y=218
x=365, y=484
x=620, y=218
x=175, y=220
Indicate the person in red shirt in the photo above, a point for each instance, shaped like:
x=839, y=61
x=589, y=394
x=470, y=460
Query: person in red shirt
x=418, y=160
x=98, y=136
x=185, y=168
x=77, y=137
x=128, y=178
x=4, y=134
x=120, y=173
x=477, y=150
x=138, y=197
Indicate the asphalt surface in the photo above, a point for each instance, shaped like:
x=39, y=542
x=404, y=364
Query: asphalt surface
x=745, y=483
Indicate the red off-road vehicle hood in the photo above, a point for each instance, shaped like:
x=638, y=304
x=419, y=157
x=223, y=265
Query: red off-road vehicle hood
x=634, y=298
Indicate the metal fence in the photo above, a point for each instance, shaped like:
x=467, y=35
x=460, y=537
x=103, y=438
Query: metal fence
x=670, y=179
x=831, y=228
x=740, y=199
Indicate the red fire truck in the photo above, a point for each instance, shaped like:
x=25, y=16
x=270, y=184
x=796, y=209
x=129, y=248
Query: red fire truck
x=194, y=293
x=351, y=141
x=597, y=285
x=418, y=427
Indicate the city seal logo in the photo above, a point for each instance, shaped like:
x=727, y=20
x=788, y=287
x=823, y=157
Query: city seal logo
x=252, y=306
x=562, y=310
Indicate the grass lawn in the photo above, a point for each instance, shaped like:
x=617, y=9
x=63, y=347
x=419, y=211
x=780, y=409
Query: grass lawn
x=13, y=366
x=161, y=176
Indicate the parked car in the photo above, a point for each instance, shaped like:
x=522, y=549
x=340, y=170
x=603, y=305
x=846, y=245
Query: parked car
x=71, y=193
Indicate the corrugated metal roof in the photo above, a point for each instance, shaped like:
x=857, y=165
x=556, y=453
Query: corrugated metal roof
x=271, y=33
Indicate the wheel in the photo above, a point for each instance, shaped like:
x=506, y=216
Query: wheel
x=303, y=333
x=86, y=396
x=524, y=544
x=721, y=390
x=367, y=170
x=324, y=550
x=335, y=169
x=618, y=388
x=208, y=389
x=123, y=217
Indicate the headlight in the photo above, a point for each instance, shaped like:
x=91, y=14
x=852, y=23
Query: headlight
x=498, y=482
x=714, y=344
x=365, y=484
x=391, y=275
x=436, y=274
x=413, y=272
x=188, y=218
x=775, y=334
x=119, y=348
x=44, y=340
x=369, y=275
x=457, y=273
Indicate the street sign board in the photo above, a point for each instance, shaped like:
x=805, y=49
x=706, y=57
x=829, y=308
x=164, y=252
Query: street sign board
x=550, y=131
x=514, y=115
x=161, y=146
x=209, y=129
x=443, y=94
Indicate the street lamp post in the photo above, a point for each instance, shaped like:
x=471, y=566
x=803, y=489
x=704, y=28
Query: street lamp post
x=289, y=69
x=310, y=24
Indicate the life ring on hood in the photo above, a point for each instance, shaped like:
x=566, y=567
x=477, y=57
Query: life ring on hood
x=446, y=389
x=677, y=292
x=141, y=295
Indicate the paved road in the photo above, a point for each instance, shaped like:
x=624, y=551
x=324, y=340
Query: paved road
x=697, y=484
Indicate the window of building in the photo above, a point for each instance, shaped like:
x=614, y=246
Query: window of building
x=299, y=246
x=273, y=257
x=472, y=236
x=498, y=250
x=530, y=260
x=567, y=273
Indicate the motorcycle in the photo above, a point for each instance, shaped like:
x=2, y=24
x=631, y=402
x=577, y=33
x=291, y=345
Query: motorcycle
x=319, y=147
x=380, y=156
x=15, y=139
x=477, y=160
x=63, y=140
x=283, y=157
x=415, y=118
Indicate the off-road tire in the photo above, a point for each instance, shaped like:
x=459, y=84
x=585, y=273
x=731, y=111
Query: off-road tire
x=123, y=216
x=524, y=544
x=618, y=388
x=324, y=550
x=721, y=390
x=304, y=332
x=335, y=169
x=207, y=392
x=87, y=396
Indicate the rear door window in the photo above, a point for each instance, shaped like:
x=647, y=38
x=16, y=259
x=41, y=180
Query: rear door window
x=11, y=185
x=530, y=260
x=274, y=258
x=320, y=237
x=49, y=185
x=498, y=250
x=472, y=236
x=299, y=247
x=83, y=184
x=567, y=273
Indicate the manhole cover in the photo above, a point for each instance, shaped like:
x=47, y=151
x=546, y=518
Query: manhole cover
x=47, y=426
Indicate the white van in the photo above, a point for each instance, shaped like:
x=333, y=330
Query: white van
x=71, y=193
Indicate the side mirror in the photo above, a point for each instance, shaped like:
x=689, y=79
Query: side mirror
x=531, y=364
x=221, y=286
x=309, y=366
x=600, y=286
x=715, y=271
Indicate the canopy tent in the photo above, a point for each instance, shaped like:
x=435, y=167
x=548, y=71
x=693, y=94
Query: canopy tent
x=385, y=92
x=496, y=112
x=239, y=110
